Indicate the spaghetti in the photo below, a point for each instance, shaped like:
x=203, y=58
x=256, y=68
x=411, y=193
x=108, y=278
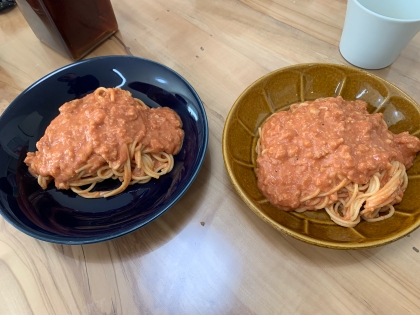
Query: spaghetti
x=107, y=134
x=332, y=154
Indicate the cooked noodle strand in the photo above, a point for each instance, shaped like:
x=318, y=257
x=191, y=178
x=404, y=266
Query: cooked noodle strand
x=136, y=163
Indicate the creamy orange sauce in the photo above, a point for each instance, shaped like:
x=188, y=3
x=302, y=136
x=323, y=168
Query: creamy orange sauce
x=93, y=130
x=317, y=144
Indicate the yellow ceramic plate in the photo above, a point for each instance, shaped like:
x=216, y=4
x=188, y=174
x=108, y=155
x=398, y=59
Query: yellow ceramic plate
x=277, y=91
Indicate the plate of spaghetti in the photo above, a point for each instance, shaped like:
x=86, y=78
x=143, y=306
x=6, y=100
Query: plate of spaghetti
x=99, y=148
x=327, y=154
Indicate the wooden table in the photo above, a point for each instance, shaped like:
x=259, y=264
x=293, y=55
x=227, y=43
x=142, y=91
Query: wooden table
x=209, y=254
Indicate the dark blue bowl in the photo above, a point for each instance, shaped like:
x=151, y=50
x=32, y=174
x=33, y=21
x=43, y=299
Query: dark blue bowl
x=60, y=216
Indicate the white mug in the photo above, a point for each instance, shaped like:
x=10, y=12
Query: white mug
x=376, y=31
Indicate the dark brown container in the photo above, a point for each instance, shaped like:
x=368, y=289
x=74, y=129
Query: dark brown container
x=71, y=27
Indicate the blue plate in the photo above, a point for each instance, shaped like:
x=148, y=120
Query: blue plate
x=60, y=216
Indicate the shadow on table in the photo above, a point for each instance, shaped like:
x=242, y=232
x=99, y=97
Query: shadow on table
x=300, y=252
x=150, y=237
x=320, y=256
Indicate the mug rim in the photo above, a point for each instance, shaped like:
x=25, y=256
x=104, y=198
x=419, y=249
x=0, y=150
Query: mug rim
x=357, y=2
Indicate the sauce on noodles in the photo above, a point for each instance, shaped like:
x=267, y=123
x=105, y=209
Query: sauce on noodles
x=333, y=154
x=95, y=137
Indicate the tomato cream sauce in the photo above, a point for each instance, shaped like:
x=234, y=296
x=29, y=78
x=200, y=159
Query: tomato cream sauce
x=93, y=130
x=315, y=145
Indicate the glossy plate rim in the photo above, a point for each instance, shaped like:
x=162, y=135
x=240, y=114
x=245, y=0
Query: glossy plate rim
x=284, y=230
x=91, y=240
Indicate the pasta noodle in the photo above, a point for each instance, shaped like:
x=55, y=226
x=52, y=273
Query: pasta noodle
x=106, y=135
x=313, y=157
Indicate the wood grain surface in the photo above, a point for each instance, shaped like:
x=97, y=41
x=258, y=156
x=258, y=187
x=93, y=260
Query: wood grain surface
x=209, y=254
